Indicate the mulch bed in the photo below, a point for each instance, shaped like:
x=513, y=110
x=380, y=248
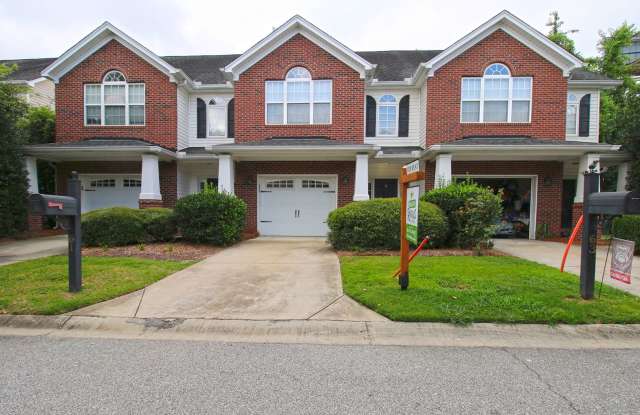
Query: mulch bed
x=426, y=252
x=177, y=251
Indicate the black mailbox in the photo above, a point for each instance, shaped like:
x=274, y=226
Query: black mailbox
x=614, y=203
x=53, y=205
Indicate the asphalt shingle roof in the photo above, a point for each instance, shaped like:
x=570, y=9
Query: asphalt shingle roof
x=391, y=65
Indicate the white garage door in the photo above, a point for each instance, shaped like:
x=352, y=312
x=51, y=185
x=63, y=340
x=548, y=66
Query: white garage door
x=101, y=191
x=295, y=205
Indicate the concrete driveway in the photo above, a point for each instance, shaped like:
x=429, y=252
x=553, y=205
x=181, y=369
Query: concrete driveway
x=21, y=250
x=550, y=253
x=260, y=279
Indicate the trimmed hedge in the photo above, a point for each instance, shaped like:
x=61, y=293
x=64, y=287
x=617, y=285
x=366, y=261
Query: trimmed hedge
x=119, y=226
x=114, y=226
x=472, y=211
x=375, y=224
x=211, y=217
x=627, y=227
x=159, y=223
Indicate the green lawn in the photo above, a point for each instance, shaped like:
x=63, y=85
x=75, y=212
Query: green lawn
x=40, y=286
x=481, y=289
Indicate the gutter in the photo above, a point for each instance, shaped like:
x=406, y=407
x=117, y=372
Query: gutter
x=43, y=150
x=224, y=148
x=568, y=148
x=602, y=83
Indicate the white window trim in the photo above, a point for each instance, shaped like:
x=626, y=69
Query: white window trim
x=219, y=103
x=577, y=122
x=284, y=101
x=126, y=105
x=378, y=105
x=509, y=100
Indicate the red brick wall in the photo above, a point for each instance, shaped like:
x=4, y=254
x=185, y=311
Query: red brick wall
x=168, y=175
x=161, y=100
x=348, y=94
x=548, y=102
x=246, y=180
x=549, y=209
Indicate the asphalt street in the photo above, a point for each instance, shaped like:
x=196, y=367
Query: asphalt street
x=72, y=375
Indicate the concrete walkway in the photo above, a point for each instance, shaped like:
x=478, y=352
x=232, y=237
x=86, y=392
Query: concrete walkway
x=550, y=253
x=260, y=279
x=21, y=250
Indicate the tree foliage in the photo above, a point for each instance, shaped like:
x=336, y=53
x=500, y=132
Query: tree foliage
x=559, y=36
x=13, y=179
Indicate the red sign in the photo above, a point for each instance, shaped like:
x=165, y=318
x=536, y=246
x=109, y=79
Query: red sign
x=58, y=205
x=622, y=259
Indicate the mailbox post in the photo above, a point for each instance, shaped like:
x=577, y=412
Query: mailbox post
x=67, y=210
x=599, y=203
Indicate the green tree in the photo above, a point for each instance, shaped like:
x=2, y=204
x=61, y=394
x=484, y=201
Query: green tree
x=620, y=107
x=13, y=179
x=558, y=36
x=38, y=126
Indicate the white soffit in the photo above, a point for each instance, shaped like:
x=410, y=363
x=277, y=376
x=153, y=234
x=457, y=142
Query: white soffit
x=95, y=40
x=297, y=25
x=516, y=28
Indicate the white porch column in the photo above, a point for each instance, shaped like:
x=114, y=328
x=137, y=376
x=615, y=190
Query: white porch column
x=150, y=189
x=31, y=165
x=361, y=186
x=443, y=170
x=623, y=173
x=226, y=173
x=585, y=161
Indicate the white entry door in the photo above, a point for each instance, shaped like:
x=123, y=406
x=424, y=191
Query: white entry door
x=295, y=205
x=101, y=191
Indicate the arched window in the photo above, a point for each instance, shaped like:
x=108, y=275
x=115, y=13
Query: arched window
x=578, y=114
x=298, y=99
x=114, y=101
x=387, y=116
x=496, y=97
x=217, y=116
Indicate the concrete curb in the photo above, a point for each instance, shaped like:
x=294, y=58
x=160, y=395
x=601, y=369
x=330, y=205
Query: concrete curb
x=329, y=332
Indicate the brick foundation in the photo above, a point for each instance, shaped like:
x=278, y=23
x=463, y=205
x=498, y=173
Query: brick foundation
x=150, y=203
x=34, y=223
x=576, y=212
x=247, y=172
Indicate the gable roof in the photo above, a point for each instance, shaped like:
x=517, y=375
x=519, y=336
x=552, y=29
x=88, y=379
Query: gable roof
x=297, y=25
x=99, y=37
x=516, y=28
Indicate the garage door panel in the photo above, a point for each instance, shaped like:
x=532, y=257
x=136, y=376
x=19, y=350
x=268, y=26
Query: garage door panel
x=295, y=206
x=109, y=191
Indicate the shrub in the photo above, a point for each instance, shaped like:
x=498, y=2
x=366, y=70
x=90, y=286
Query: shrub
x=375, y=224
x=113, y=227
x=472, y=211
x=627, y=227
x=159, y=224
x=211, y=217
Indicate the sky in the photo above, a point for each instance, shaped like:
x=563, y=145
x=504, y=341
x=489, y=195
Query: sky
x=30, y=29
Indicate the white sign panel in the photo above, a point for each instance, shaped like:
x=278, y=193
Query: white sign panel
x=413, y=197
x=412, y=167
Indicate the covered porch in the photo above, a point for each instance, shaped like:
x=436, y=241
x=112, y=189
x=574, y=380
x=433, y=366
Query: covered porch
x=533, y=174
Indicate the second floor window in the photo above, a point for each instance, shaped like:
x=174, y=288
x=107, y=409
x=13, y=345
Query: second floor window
x=496, y=97
x=298, y=99
x=114, y=101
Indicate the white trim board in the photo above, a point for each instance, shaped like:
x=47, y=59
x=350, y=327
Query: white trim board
x=533, y=204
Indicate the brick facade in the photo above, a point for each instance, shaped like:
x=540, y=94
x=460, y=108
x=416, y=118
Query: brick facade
x=247, y=171
x=348, y=94
x=549, y=91
x=549, y=183
x=168, y=176
x=160, y=105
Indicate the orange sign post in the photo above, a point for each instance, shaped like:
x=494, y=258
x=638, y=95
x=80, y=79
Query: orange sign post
x=410, y=173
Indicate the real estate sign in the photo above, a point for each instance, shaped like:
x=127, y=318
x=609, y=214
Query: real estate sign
x=413, y=196
x=622, y=259
x=412, y=167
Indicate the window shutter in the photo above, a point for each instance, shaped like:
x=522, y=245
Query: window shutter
x=403, y=117
x=585, y=116
x=371, y=117
x=201, y=118
x=231, y=117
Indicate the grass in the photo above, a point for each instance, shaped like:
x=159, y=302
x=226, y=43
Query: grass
x=481, y=289
x=40, y=286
